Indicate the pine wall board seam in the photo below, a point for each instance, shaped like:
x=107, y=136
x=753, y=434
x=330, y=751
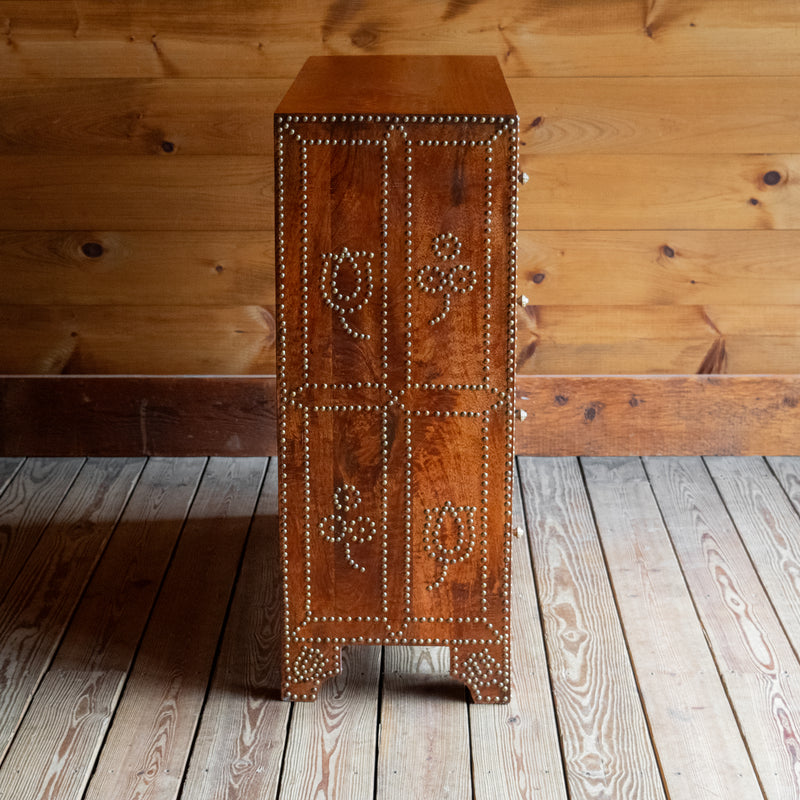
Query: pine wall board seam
x=215, y=268
x=565, y=192
x=626, y=37
x=232, y=116
x=659, y=226
x=551, y=339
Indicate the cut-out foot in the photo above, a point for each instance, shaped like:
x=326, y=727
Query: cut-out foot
x=305, y=665
x=485, y=669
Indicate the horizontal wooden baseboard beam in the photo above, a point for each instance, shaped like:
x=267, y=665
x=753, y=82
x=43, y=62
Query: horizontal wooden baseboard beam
x=621, y=415
x=143, y=415
x=611, y=415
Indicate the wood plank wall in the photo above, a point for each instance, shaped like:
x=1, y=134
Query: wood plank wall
x=660, y=225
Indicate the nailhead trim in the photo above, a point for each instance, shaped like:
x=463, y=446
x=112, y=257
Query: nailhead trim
x=485, y=672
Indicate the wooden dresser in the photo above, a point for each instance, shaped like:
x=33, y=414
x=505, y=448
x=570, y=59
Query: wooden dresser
x=395, y=220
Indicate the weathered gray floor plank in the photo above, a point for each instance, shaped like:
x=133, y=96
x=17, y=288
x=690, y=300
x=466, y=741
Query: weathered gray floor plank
x=648, y=638
x=694, y=730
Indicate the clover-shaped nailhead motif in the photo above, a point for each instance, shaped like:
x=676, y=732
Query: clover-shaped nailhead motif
x=446, y=280
x=337, y=528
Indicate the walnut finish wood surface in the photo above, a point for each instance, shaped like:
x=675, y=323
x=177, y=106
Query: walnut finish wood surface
x=395, y=250
x=399, y=85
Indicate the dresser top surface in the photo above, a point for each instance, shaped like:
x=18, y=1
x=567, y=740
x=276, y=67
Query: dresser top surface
x=399, y=85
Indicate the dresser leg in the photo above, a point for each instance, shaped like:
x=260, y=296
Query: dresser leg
x=305, y=665
x=485, y=669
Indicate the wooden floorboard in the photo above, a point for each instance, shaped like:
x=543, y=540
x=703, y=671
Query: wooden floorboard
x=769, y=527
x=330, y=751
x=78, y=695
x=424, y=746
x=787, y=471
x=607, y=749
x=40, y=602
x=515, y=749
x=656, y=631
x=239, y=747
x=148, y=746
x=695, y=732
x=27, y=506
x=754, y=658
x=8, y=468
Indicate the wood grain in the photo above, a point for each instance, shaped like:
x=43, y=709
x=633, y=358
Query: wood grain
x=239, y=746
x=658, y=415
x=138, y=415
x=54, y=192
x=134, y=116
x=552, y=340
x=115, y=340
x=646, y=115
x=378, y=84
x=423, y=749
x=770, y=530
x=604, y=734
x=147, y=749
x=602, y=340
x=8, y=469
x=555, y=268
x=695, y=733
x=669, y=191
x=655, y=268
x=564, y=415
x=569, y=192
x=757, y=339
x=79, y=693
x=330, y=749
x=26, y=508
x=565, y=268
x=39, y=604
x=755, y=660
x=787, y=470
x=666, y=339
x=515, y=752
x=232, y=116
x=613, y=39
x=138, y=268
